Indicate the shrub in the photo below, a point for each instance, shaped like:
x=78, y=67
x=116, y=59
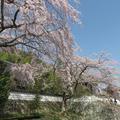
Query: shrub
x=4, y=90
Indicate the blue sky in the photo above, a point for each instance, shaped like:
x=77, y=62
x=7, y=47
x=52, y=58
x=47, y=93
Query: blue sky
x=100, y=29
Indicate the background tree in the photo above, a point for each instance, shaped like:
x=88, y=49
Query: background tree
x=86, y=72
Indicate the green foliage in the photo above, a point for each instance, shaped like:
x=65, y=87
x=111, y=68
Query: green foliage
x=25, y=57
x=35, y=104
x=82, y=91
x=19, y=116
x=4, y=90
x=4, y=56
x=52, y=83
x=16, y=58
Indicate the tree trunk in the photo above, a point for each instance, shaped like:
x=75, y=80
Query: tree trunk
x=64, y=103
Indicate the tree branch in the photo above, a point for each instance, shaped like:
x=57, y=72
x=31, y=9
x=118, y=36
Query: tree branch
x=11, y=42
x=2, y=14
x=15, y=17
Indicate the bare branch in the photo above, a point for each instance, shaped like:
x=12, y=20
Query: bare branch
x=15, y=17
x=11, y=42
x=2, y=14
